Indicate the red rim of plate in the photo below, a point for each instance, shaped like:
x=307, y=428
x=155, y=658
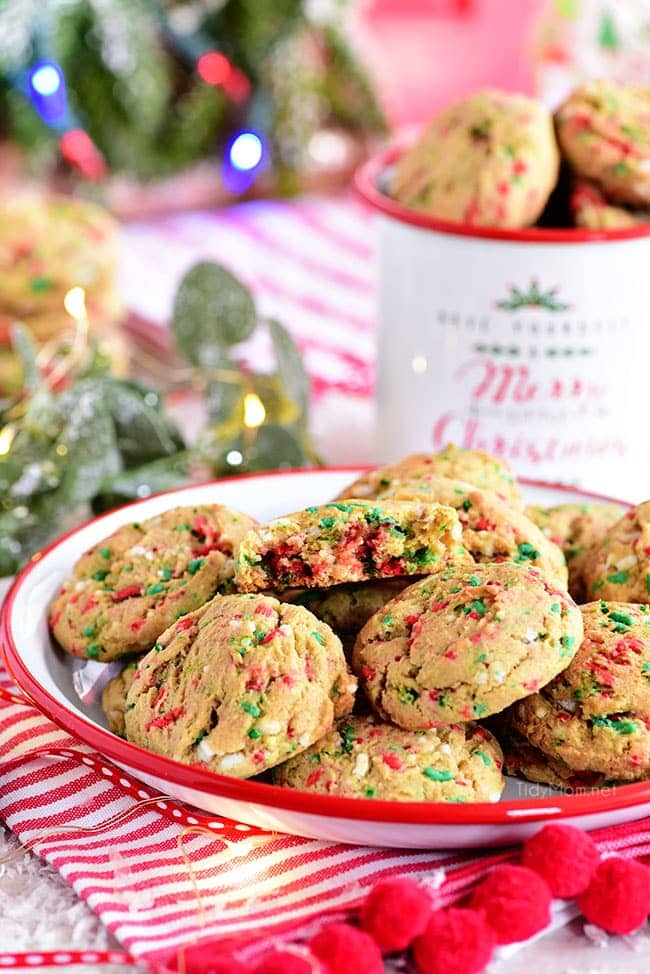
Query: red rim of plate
x=286, y=799
x=367, y=179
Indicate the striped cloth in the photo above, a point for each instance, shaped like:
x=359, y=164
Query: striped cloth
x=162, y=876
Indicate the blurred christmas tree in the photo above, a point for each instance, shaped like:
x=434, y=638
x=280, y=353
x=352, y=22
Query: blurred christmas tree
x=150, y=86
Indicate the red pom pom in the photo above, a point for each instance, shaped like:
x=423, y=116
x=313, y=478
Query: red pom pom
x=345, y=950
x=206, y=959
x=516, y=902
x=285, y=962
x=618, y=896
x=454, y=942
x=395, y=912
x=562, y=855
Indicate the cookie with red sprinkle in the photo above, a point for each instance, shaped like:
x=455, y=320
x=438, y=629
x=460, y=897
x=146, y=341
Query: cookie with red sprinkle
x=126, y=590
x=465, y=643
x=239, y=686
x=349, y=541
x=618, y=566
x=365, y=758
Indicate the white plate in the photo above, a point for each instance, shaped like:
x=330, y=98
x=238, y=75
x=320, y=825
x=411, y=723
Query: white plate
x=46, y=674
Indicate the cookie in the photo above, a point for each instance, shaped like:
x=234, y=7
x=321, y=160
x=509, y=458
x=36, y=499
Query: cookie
x=592, y=210
x=348, y=541
x=129, y=588
x=465, y=643
x=240, y=685
x=347, y=608
x=492, y=531
x=364, y=758
x=617, y=568
x=114, y=697
x=575, y=528
x=604, y=132
x=522, y=760
x=51, y=244
x=471, y=466
x=595, y=716
x=488, y=160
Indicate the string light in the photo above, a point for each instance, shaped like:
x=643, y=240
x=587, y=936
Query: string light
x=214, y=68
x=6, y=439
x=246, y=151
x=75, y=303
x=80, y=151
x=254, y=411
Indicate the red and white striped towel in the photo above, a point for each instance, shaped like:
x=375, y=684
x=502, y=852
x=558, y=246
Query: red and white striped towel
x=162, y=876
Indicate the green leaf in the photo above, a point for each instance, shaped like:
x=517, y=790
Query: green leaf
x=275, y=448
x=25, y=347
x=166, y=473
x=212, y=310
x=143, y=431
x=290, y=367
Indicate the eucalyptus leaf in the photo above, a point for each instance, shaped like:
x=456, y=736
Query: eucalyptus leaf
x=166, y=473
x=290, y=368
x=25, y=347
x=275, y=447
x=212, y=310
x=143, y=431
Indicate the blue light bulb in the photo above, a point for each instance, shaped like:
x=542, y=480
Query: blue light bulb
x=246, y=151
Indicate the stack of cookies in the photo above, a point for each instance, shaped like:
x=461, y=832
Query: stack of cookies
x=494, y=159
x=49, y=245
x=358, y=647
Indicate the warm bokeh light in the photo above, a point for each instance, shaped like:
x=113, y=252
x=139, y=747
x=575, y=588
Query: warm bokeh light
x=254, y=411
x=75, y=303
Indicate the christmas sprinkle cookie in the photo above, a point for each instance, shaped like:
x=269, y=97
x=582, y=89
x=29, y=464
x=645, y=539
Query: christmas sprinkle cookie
x=471, y=466
x=604, y=132
x=239, y=686
x=522, y=760
x=347, y=608
x=617, y=568
x=114, y=697
x=465, y=643
x=492, y=531
x=348, y=541
x=51, y=244
x=575, y=528
x=129, y=588
x=490, y=159
x=593, y=211
x=364, y=758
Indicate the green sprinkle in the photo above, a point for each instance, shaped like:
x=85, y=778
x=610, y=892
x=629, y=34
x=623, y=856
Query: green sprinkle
x=199, y=737
x=370, y=792
x=618, y=578
x=423, y=556
x=326, y=523
x=479, y=709
x=251, y=709
x=568, y=642
x=194, y=565
x=481, y=658
x=347, y=738
x=467, y=505
x=320, y=639
x=384, y=482
x=485, y=758
x=105, y=552
x=556, y=607
x=182, y=527
x=165, y=573
x=434, y=775
x=158, y=647
x=621, y=617
x=254, y=734
x=38, y=285
x=92, y=652
x=311, y=510
x=527, y=552
x=89, y=631
x=457, y=799
x=619, y=726
x=99, y=576
x=647, y=584
x=407, y=695
x=344, y=508
x=387, y=620
x=127, y=568
x=474, y=581
x=155, y=589
x=478, y=606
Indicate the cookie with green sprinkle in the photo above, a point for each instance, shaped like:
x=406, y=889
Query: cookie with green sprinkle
x=595, y=716
x=617, y=567
x=465, y=643
x=125, y=591
x=349, y=541
x=492, y=529
x=522, y=760
x=456, y=463
x=575, y=528
x=361, y=757
x=239, y=686
x=347, y=608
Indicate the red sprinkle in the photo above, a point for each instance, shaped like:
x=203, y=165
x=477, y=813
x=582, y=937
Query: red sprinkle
x=166, y=719
x=126, y=593
x=185, y=623
x=54, y=621
x=392, y=760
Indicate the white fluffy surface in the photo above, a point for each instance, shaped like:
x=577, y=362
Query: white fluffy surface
x=39, y=911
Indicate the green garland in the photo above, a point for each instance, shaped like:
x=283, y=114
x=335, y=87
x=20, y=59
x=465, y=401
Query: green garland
x=103, y=440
